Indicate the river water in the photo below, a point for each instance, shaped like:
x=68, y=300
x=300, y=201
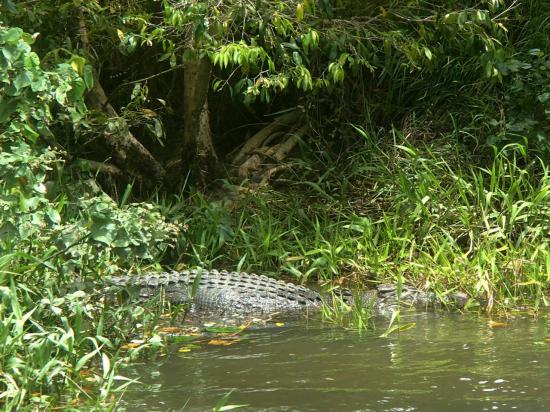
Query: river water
x=446, y=362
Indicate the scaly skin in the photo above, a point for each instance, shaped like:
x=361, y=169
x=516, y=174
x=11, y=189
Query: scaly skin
x=225, y=292
x=228, y=293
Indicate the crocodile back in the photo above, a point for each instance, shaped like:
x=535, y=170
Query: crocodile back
x=224, y=292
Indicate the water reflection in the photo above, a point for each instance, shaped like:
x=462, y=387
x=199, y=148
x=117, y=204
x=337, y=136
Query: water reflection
x=447, y=362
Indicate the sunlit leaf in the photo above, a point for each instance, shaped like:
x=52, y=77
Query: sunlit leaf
x=299, y=12
x=131, y=345
x=496, y=324
x=222, y=342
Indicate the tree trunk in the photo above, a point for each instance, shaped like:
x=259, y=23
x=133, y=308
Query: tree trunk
x=195, y=148
x=128, y=153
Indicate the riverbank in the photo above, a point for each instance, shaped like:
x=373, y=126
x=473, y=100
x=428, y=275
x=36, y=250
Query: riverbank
x=427, y=216
x=383, y=212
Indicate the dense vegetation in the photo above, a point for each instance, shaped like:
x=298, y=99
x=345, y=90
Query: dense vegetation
x=335, y=140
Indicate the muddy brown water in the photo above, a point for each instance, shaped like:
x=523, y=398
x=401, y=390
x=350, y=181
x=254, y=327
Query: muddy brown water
x=446, y=362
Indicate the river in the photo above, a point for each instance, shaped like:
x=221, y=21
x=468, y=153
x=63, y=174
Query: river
x=446, y=362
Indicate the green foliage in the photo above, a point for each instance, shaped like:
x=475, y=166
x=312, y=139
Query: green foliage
x=412, y=203
x=527, y=103
x=352, y=59
x=28, y=92
x=421, y=214
x=356, y=316
x=53, y=228
x=40, y=215
x=263, y=48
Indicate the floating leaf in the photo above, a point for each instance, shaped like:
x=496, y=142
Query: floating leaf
x=188, y=348
x=280, y=324
x=231, y=407
x=495, y=324
x=222, y=342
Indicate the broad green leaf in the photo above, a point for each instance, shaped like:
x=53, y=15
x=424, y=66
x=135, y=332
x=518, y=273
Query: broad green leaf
x=23, y=80
x=7, y=107
x=88, y=76
x=77, y=91
x=11, y=36
x=53, y=215
x=78, y=63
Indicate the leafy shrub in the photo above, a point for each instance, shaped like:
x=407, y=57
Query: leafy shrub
x=527, y=103
x=53, y=227
x=79, y=222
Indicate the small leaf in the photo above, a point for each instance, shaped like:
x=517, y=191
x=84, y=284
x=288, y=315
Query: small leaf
x=88, y=76
x=131, y=345
x=12, y=35
x=78, y=63
x=54, y=216
x=231, y=407
x=222, y=342
x=428, y=53
x=297, y=58
x=106, y=364
x=299, y=11
x=495, y=324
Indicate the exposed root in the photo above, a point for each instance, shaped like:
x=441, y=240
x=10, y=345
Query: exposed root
x=261, y=157
x=99, y=167
x=259, y=139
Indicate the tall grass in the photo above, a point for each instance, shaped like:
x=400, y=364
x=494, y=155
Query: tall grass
x=61, y=348
x=427, y=213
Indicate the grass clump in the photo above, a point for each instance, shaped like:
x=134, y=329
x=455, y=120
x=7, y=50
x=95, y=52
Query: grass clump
x=427, y=213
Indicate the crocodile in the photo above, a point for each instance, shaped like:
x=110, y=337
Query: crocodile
x=240, y=293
